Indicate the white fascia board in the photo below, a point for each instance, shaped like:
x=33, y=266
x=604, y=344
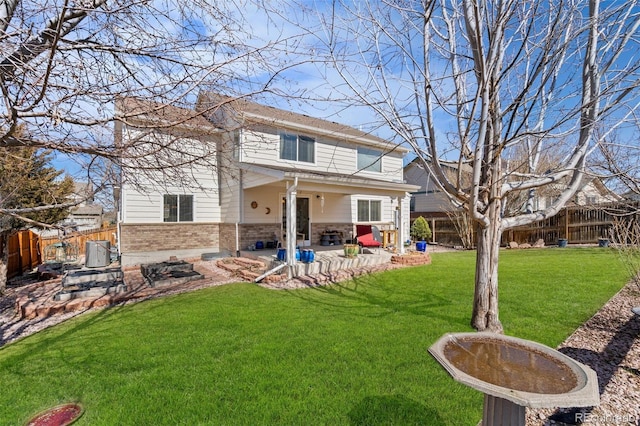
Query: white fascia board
x=360, y=183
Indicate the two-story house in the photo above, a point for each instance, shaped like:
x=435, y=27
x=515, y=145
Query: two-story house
x=270, y=165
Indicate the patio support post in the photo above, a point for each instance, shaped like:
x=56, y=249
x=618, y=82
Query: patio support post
x=291, y=225
x=401, y=237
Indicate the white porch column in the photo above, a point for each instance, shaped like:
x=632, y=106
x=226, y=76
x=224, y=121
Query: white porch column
x=291, y=225
x=403, y=225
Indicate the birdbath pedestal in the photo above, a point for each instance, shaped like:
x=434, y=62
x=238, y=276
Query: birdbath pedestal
x=514, y=374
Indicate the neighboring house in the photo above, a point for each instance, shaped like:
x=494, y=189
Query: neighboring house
x=84, y=216
x=271, y=165
x=431, y=201
x=593, y=192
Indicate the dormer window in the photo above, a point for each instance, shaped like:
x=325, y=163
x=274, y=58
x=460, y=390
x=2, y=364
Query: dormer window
x=297, y=147
x=369, y=160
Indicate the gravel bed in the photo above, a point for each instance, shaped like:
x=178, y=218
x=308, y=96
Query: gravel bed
x=608, y=344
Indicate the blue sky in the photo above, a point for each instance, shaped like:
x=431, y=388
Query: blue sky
x=311, y=77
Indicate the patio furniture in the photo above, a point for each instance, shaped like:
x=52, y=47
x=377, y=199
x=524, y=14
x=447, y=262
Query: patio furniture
x=331, y=238
x=389, y=238
x=368, y=236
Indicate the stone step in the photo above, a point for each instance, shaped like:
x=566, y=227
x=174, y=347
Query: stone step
x=249, y=263
x=80, y=276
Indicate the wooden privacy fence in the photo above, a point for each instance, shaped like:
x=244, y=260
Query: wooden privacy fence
x=78, y=240
x=23, y=251
x=578, y=224
x=27, y=249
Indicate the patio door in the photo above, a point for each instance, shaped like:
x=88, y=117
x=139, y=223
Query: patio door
x=303, y=223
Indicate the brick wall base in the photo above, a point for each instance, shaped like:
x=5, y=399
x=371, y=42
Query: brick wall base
x=252, y=233
x=228, y=237
x=168, y=236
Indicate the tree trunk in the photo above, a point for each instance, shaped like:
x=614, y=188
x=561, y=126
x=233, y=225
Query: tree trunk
x=485, y=299
x=4, y=260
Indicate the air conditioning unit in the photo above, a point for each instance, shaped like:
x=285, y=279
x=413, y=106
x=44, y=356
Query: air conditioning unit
x=97, y=254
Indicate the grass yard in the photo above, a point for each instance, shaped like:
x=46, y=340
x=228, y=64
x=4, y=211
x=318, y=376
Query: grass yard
x=354, y=353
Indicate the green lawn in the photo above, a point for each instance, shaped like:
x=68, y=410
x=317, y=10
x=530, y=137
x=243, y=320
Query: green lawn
x=351, y=353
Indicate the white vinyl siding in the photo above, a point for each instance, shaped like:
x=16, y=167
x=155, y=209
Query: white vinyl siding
x=138, y=207
x=261, y=145
x=145, y=202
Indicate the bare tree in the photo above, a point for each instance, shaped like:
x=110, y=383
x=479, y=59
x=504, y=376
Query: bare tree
x=64, y=63
x=477, y=82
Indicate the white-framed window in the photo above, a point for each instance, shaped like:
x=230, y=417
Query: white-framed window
x=236, y=144
x=369, y=210
x=297, y=147
x=178, y=208
x=369, y=159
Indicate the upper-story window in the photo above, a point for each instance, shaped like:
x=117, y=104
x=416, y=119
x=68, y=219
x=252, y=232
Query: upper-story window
x=297, y=147
x=369, y=159
x=178, y=208
x=236, y=144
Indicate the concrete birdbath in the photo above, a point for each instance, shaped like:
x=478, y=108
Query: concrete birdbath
x=515, y=373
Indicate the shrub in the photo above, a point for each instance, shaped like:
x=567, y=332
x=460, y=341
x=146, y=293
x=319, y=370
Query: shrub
x=420, y=229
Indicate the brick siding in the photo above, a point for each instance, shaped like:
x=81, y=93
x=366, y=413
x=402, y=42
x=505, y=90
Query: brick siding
x=252, y=233
x=168, y=236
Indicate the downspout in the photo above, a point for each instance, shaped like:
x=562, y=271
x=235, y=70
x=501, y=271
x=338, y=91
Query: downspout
x=240, y=212
x=237, y=242
x=269, y=272
x=119, y=234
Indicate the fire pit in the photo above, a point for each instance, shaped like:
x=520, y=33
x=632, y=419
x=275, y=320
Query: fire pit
x=515, y=373
x=169, y=273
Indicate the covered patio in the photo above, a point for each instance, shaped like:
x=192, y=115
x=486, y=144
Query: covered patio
x=278, y=202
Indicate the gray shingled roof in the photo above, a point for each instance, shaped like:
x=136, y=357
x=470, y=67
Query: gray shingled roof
x=210, y=103
x=136, y=111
